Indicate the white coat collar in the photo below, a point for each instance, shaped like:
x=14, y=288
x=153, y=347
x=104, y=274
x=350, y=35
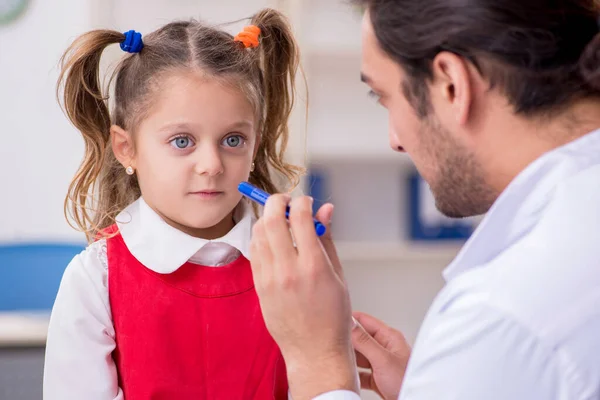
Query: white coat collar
x=520, y=206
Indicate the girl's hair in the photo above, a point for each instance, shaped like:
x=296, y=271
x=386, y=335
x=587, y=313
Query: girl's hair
x=265, y=74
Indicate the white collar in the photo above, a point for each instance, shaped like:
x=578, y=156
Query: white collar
x=162, y=248
x=520, y=206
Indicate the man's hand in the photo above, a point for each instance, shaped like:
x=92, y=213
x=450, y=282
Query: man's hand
x=384, y=351
x=303, y=297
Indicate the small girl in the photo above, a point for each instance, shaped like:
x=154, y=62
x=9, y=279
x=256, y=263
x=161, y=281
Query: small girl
x=161, y=305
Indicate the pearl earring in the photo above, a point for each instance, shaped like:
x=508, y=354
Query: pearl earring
x=252, y=167
x=129, y=170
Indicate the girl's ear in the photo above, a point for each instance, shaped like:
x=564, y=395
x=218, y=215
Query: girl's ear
x=122, y=146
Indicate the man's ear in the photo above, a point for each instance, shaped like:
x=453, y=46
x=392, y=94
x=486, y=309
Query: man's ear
x=453, y=85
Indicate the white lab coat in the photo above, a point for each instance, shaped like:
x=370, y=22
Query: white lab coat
x=519, y=317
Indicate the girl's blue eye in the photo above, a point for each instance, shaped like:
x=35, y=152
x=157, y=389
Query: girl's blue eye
x=181, y=142
x=234, y=141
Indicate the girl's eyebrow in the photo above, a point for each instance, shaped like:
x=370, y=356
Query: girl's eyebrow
x=178, y=126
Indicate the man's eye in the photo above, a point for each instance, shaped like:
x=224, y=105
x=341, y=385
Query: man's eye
x=374, y=96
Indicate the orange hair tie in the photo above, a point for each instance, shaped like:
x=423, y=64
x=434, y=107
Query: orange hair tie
x=249, y=36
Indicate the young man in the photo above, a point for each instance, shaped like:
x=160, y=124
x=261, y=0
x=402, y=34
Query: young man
x=498, y=104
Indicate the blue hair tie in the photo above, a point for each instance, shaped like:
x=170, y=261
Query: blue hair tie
x=133, y=42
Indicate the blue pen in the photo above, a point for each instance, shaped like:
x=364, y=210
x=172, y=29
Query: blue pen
x=259, y=196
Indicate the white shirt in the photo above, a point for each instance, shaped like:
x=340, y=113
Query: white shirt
x=519, y=317
x=81, y=336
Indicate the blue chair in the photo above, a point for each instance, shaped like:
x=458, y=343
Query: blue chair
x=30, y=274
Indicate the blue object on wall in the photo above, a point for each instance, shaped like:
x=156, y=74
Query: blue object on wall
x=426, y=222
x=317, y=188
x=30, y=274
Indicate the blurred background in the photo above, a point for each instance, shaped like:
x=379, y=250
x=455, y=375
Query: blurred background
x=392, y=241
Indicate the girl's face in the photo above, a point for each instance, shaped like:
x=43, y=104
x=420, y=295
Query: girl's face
x=191, y=152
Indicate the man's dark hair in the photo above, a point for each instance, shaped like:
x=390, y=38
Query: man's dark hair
x=541, y=54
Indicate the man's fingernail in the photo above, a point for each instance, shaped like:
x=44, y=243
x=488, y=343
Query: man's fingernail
x=354, y=323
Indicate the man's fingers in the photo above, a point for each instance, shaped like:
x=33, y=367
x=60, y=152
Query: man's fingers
x=369, y=322
x=389, y=338
x=277, y=230
x=365, y=344
x=325, y=215
x=303, y=226
x=260, y=253
x=361, y=360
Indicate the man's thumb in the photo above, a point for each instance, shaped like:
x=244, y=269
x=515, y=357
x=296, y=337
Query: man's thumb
x=325, y=214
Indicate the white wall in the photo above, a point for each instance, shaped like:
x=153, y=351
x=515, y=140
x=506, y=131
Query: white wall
x=39, y=150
